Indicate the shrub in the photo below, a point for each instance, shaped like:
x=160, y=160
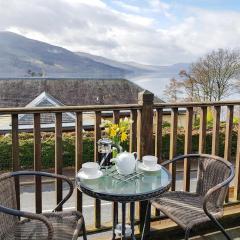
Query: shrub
x=26, y=148
x=26, y=151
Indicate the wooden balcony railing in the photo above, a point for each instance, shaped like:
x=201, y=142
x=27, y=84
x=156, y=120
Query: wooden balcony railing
x=146, y=128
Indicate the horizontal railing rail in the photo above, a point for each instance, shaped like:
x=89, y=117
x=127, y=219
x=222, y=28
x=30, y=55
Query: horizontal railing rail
x=195, y=104
x=31, y=110
x=90, y=108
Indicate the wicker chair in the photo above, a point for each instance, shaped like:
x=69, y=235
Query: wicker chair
x=47, y=226
x=189, y=210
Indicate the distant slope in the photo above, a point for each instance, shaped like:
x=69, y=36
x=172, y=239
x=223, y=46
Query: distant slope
x=19, y=54
x=113, y=63
x=174, y=68
x=138, y=68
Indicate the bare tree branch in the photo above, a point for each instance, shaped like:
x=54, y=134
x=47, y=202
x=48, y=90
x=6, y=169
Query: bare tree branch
x=211, y=77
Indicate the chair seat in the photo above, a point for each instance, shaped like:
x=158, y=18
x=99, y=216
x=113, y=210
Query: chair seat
x=186, y=209
x=65, y=225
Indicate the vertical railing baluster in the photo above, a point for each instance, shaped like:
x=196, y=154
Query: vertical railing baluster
x=158, y=140
x=15, y=155
x=237, y=166
x=78, y=156
x=133, y=132
x=133, y=142
x=158, y=134
x=97, y=132
x=37, y=162
x=216, y=128
x=58, y=156
x=188, y=148
x=202, y=130
x=139, y=130
x=228, y=138
x=173, y=145
x=116, y=117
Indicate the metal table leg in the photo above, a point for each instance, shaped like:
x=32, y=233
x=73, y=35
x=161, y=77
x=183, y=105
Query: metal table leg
x=123, y=220
x=115, y=218
x=132, y=218
x=147, y=218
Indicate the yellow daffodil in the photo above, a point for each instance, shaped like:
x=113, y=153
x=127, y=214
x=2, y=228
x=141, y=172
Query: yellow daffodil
x=117, y=132
x=122, y=129
x=124, y=136
x=113, y=132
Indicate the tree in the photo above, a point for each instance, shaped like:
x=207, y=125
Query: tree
x=212, y=77
x=34, y=74
x=172, y=90
x=190, y=87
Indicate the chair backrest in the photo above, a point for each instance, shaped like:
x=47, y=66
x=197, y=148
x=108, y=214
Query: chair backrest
x=212, y=171
x=7, y=199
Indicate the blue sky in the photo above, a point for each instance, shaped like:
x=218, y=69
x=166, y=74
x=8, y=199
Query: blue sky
x=207, y=4
x=147, y=31
x=179, y=9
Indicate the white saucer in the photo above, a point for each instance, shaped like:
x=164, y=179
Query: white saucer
x=157, y=167
x=83, y=175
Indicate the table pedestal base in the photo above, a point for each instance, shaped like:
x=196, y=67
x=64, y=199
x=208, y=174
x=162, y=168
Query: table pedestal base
x=123, y=224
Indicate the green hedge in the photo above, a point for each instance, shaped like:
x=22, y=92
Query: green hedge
x=48, y=151
x=26, y=154
x=195, y=142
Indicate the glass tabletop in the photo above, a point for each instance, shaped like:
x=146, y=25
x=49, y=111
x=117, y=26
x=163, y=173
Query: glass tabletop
x=144, y=186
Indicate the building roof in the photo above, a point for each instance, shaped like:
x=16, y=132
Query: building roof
x=18, y=92
x=45, y=100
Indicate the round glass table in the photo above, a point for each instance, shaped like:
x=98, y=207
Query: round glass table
x=140, y=186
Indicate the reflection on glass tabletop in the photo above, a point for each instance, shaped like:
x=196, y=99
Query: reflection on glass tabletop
x=145, y=185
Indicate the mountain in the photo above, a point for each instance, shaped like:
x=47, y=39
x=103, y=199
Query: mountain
x=23, y=57
x=19, y=54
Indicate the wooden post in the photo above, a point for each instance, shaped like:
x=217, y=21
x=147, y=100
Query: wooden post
x=145, y=143
x=228, y=138
x=237, y=167
x=116, y=117
x=173, y=145
x=158, y=140
x=188, y=148
x=97, y=132
x=158, y=135
x=145, y=123
x=78, y=155
x=15, y=155
x=37, y=162
x=133, y=132
x=58, y=157
x=202, y=130
x=216, y=128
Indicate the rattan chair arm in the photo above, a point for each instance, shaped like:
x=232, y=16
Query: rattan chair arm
x=29, y=215
x=225, y=183
x=51, y=175
x=182, y=157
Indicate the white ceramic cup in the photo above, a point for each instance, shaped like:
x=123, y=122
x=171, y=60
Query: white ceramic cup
x=149, y=161
x=90, y=168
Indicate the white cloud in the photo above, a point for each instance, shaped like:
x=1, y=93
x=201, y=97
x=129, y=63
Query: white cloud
x=128, y=35
x=128, y=7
